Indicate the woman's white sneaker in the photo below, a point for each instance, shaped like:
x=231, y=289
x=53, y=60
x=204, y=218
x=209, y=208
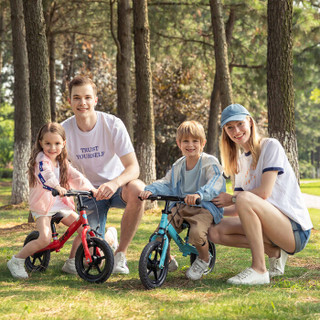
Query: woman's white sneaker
x=250, y=277
x=277, y=265
x=16, y=267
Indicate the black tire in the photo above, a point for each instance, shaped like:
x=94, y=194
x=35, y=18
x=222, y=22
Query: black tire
x=212, y=252
x=102, y=261
x=38, y=261
x=150, y=274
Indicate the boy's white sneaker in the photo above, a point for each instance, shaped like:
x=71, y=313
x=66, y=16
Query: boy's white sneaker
x=250, y=277
x=277, y=265
x=70, y=266
x=173, y=265
x=16, y=267
x=111, y=237
x=120, y=264
x=197, y=269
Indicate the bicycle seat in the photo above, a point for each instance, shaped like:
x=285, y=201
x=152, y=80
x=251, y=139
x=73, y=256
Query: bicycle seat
x=56, y=218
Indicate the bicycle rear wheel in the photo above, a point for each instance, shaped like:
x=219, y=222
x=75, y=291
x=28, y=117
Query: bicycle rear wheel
x=150, y=274
x=212, y=253
x=38, y=261
x=100, y=269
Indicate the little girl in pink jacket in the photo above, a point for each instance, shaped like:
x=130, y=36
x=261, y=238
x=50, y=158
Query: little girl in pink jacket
x=49, y=169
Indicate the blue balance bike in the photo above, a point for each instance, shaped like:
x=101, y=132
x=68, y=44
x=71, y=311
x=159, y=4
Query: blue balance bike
x=154, y=259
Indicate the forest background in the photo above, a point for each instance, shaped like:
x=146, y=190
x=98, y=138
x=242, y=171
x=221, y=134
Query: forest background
x=84, y=37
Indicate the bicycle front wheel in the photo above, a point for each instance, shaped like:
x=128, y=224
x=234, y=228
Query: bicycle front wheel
x=100, y=269
x=150, y=274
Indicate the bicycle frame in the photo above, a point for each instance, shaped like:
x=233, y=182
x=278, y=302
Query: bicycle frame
x=166, y=227
x=57, y=244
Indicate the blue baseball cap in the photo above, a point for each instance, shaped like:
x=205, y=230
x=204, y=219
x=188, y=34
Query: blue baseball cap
x=234, y=112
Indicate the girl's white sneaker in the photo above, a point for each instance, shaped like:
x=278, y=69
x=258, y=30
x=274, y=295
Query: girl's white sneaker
x=16, y=267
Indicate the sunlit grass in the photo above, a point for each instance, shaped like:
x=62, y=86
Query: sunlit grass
x=55, y=295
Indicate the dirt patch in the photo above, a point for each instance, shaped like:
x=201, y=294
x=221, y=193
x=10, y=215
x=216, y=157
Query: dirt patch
x=17, y=228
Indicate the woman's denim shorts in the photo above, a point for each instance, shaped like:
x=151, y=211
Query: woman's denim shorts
x=301, y=237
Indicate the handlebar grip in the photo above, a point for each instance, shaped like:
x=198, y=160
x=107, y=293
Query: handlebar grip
x=198, y=201
x=54, y=192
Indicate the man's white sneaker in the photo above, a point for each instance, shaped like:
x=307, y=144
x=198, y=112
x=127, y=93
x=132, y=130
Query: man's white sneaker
x=16, y=267
x=197, y=269
x=173, y=265
x=111, y=237
x=70, y=266
x=120, y=264
x=277, y=265
x=250, y=277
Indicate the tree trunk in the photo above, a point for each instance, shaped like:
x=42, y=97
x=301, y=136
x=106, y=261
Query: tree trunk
x=222, y=89
x=22, y=130
x=38, y=65
x=124, y=65
x=2, y=33
x=52, y=74
x=281, y=120
x=145, y=139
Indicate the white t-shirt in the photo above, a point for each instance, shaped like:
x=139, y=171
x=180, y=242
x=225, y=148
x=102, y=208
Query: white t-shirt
x=97, y=153
x=286, y=194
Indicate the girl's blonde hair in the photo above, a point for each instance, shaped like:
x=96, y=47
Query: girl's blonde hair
x=191, y=128
x=230, y=151
x=52, y=127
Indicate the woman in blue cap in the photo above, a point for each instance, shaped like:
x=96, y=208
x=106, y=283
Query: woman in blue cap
x=268, y=212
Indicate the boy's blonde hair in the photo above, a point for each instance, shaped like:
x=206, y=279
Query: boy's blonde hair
x=191, y=128
x=230, y=151
x=52, y=127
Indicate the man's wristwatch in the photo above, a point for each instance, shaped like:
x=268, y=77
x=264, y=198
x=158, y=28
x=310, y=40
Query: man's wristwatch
x=233, y=199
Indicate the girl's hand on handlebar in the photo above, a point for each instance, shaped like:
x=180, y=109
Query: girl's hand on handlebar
x=62, y=191
x=191, y=199
x=144, y=195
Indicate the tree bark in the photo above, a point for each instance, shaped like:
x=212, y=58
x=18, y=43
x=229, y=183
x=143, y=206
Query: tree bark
x=280, y=91
x=125, y=111
x=145, y=139
x=22, y=129
x=38, y=65
x=222, y=89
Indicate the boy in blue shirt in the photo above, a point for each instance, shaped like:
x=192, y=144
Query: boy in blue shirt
x=195, y=175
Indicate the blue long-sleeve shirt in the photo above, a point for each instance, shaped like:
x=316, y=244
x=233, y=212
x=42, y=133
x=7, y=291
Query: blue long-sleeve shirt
x=208, y=184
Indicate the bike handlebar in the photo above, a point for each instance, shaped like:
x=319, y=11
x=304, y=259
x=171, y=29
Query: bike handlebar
x=71, y=193
x=154, y=197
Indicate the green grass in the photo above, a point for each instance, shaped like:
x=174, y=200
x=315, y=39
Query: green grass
x=54, y=295
x=310, y=186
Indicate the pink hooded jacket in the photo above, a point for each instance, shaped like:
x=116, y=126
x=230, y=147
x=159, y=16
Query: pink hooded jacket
x=40, y=197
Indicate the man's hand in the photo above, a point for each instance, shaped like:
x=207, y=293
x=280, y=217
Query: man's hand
x=191, y=199
x=107, y=190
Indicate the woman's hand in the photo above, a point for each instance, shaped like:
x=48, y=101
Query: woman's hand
x=222, y=200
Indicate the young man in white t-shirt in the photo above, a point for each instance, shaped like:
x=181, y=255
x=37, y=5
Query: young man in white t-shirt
x=100, y=147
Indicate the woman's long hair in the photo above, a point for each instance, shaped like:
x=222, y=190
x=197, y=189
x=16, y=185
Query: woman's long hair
x=52, y=127
x=230, y=151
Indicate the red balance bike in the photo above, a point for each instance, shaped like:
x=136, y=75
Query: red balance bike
x=94, y=257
